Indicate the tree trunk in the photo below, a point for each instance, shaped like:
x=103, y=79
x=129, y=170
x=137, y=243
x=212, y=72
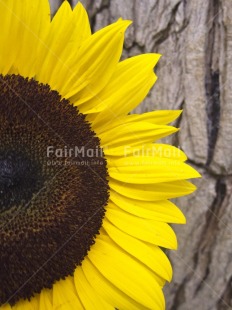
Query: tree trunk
x=195, y=74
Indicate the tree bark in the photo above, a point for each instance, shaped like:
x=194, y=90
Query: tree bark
x=195, y=74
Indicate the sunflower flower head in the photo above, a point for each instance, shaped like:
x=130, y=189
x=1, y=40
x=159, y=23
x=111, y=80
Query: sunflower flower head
x=84, y=188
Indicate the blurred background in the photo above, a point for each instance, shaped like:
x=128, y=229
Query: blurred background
x=194, y=74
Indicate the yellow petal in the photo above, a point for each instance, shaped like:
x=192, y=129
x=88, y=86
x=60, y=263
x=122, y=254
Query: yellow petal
x=45, y=302
x=120, y=268
x=55, y=43
x=32, y=304
x=128, y=86
x=82, y=29
x=153, y=192
x=152, y=231
x=94, y=64
x=162, y=211
x=10, y=12
x=132, y=135
x=150, y=149
x=33, y=23
x=5, y=307
x=65, y=296
x=108, y=290
x=69, y=29
x=162, y=117
x=24, y=23
x=89, y=297
x=155, y=117
x=148, y=169
x=150, y=255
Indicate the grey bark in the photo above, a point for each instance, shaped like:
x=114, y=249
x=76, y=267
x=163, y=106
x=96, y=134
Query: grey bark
x=195, y=74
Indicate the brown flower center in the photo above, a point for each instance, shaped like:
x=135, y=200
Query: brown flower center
x=53, y=188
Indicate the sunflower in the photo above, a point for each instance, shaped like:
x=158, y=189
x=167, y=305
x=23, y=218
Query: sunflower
x=84, y=189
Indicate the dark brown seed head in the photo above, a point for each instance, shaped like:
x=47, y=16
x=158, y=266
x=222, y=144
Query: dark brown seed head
x=53, y=188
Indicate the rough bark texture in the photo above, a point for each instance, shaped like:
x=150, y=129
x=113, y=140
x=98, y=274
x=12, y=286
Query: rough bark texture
x=195, y=38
